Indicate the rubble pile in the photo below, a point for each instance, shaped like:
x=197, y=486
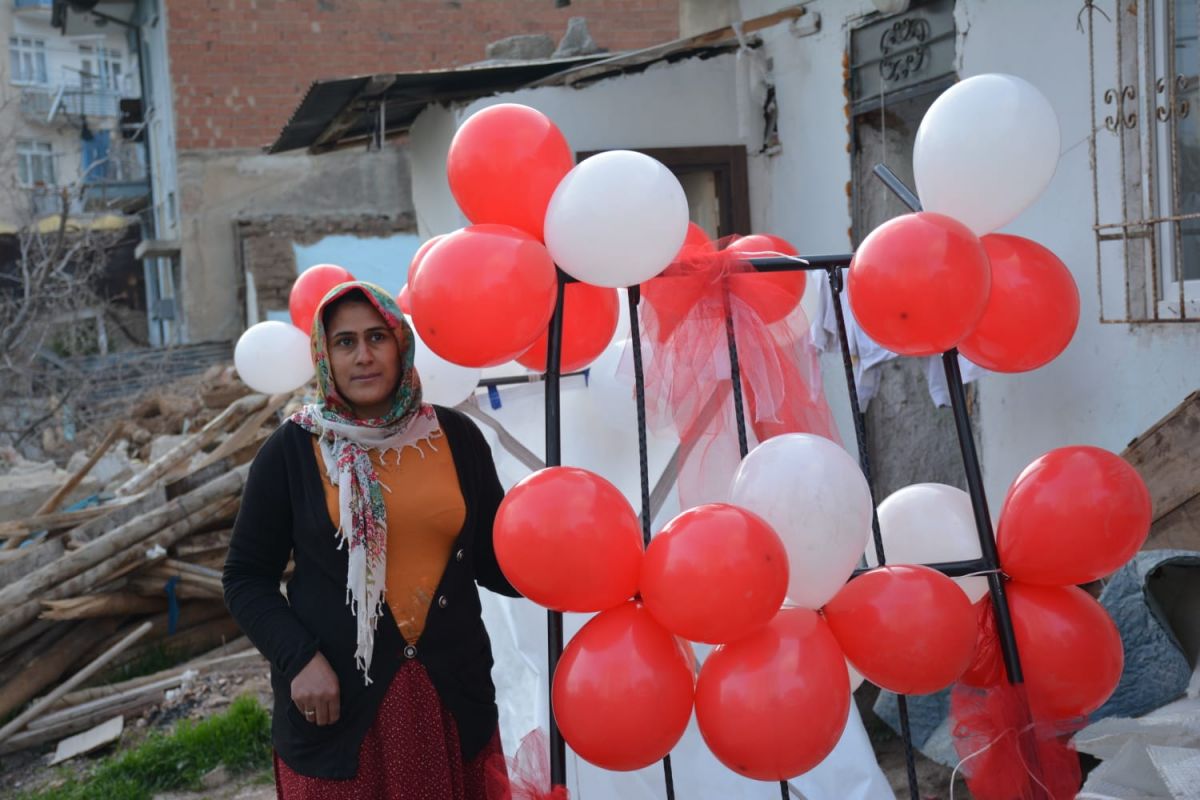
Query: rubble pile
x=116, y=559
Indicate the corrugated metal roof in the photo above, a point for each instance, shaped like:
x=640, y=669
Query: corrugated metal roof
x=340, y=111
x=343, y=111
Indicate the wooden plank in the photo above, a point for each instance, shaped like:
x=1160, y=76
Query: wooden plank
x=27, y=606
x=117, y=514
x=20, y=562
x=650, y=55
x=238, y=651
x=126, y=536
x=54, y=521
x=113, y=604
x=56, y=499
x=248, y=430
x=31, y=713
x=27, y=739
x=89, y=741
x=192, y=445
x=1167, y=456
x=49, y=666
x=1179, y=529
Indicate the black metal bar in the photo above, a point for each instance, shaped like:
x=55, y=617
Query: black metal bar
x=799, y=264
x=983, y=518
x=517, y=380
x=893, y=182
x=952, y=569
x=860, y=421
x=635, y=334
x=864, y=460
x=735, y=375
x=554, y=619
x=735, y=372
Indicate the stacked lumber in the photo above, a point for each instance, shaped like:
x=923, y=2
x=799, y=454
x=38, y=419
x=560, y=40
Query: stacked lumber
x=88, y=591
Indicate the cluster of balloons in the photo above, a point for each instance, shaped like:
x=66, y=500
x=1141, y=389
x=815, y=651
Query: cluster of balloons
x=772, y=698
x=923, y=283
x=484, y=295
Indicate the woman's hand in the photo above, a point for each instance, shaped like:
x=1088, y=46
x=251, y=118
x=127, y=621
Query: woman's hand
x=315, y=692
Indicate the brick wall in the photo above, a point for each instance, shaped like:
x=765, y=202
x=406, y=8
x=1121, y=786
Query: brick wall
x=240, y=67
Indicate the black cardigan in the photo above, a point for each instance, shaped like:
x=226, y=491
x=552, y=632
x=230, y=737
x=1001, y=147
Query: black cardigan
x=283, y=514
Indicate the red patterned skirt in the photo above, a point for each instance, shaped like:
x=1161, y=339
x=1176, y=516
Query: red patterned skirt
x=411, y=752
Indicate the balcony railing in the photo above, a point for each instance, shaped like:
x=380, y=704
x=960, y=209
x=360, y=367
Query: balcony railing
x=37, y=102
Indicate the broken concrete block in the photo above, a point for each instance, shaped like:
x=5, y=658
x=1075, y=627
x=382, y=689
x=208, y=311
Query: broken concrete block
x=577, y=41
x=114, y=467
x=523, y=47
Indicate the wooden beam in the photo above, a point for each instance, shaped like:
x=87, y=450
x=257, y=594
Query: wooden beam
x=56, y=499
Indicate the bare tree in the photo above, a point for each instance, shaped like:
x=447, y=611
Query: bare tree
x=50, y=302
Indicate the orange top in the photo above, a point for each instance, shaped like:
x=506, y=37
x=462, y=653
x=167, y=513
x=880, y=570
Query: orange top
x=425, y=513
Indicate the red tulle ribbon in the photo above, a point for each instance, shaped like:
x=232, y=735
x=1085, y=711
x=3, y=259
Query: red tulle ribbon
x=688, y=383
x=1006, y=753
x=525, y=776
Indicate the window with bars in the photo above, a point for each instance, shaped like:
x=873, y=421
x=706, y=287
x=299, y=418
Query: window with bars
x=35, y=163
x=1144, y=65
x=27, y=60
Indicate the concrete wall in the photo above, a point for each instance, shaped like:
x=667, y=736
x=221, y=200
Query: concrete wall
x=1111, y=383
x=291, y=197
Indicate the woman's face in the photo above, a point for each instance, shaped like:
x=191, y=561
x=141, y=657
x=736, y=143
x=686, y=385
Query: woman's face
x=364, y=357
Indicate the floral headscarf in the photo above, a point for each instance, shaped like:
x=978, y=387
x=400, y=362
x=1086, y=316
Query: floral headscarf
x=346, y=442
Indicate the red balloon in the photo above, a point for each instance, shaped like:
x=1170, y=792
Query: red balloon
x=483, y=295
x=310, y=289
x=919, y=283
x=772, y=295
x=568, y=540
x=1070, y=649
x=1073, y=516
x=404, y=300
x=715, y=573
x=419, y=256
x=906, y=628
x=1032, y=311
x=504, y=164
x=773, y=705
x=589, y=321
x=623, y=690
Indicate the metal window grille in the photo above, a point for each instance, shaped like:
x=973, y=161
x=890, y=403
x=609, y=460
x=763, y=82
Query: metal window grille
x=1145, y=151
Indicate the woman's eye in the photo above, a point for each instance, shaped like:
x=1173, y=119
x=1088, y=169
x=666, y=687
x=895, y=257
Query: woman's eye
x=345, y=341
x=377, y=336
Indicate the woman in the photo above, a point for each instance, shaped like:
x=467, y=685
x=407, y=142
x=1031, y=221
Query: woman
x=380, y=663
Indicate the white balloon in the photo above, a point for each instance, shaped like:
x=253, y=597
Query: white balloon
x=986, y=150
x=443, y=383
x=273, y=357
x=928, y=523
x=616, y=219
x=815, y=496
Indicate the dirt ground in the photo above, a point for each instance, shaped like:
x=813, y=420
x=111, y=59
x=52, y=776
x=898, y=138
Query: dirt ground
x=213, y=692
